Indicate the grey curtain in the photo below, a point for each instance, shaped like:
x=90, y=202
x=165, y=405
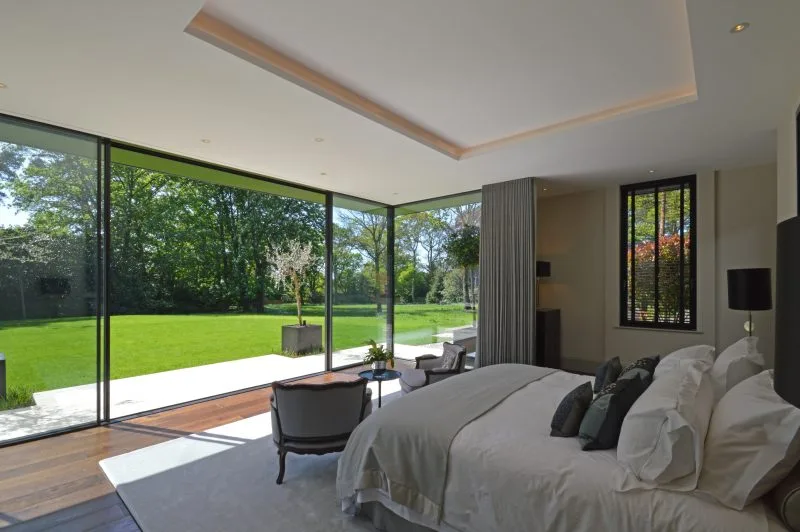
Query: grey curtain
x=507, y=319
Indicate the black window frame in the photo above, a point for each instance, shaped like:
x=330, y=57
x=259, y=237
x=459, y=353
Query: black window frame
x=690, y=182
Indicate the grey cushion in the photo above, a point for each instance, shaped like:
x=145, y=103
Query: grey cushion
x=786, y=500
x=607, y=373
x=413, y=378
x=450, y=355
x=602, y=423
x=569, y=414
x=642, y=368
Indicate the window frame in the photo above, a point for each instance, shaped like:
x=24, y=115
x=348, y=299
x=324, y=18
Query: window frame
x=690, y=182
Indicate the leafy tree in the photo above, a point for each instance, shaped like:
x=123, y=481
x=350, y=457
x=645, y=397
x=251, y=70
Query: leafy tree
x=366, y=232
x=463, y=248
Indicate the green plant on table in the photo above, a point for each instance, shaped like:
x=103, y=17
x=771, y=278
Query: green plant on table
x=378, y=353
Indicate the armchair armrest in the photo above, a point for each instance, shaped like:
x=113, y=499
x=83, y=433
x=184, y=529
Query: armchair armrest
x=428, y=362
x=439, y=374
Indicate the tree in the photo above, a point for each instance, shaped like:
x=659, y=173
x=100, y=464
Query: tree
x=410, y=231
x=463, y=248
x=292, y=263
x=366, y=231
x=23, y=251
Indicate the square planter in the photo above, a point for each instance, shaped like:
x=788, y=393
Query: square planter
x=301, y=339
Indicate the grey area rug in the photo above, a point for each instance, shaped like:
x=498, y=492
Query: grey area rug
x=223, y=479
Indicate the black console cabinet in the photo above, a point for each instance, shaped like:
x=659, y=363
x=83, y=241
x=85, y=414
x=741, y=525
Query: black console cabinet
x=548, y=337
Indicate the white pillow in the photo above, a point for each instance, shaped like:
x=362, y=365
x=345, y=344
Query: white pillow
x=752, y=443
x=738, y=362
x=688, y=354
x=661, y=442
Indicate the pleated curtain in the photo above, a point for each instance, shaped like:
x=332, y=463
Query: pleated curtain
x=507, y=317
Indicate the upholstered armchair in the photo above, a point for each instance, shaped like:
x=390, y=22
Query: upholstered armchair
x=316, y=418
x=430, y=368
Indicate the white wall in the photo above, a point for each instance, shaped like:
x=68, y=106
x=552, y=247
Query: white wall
x=574, y=243
x=736, y=213
x=746, y=209
x=787, y=163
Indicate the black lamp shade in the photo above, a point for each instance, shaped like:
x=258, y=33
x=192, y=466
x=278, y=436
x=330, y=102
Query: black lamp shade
x=750, y=289
x=542, y=268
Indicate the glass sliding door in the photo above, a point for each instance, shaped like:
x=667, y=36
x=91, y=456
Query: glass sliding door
x=359, y=277
x=217, y=282
x=49, y=284
x=437, y=244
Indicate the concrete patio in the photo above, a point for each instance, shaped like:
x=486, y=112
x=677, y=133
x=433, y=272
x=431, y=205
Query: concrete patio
x=66, y=407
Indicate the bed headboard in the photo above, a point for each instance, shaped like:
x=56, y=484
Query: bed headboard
x=787, y=312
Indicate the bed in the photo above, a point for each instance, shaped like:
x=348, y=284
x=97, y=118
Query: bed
x=502, y=470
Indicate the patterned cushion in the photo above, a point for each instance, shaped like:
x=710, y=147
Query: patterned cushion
x=642, y=368
x=569, y=414
x=602, y=423
x=607, y=373
x=450, y=356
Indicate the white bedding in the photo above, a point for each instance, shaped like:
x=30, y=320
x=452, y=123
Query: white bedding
x=507, y=473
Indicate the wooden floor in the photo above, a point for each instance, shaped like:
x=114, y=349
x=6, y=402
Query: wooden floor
x=56, y=483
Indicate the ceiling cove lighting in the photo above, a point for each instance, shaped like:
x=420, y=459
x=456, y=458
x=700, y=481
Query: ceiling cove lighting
x=740, y=27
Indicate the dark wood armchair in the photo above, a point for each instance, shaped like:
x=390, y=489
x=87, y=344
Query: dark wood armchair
x=316, y=418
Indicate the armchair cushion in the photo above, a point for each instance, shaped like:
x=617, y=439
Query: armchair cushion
x=413, y=378
x=450, y=357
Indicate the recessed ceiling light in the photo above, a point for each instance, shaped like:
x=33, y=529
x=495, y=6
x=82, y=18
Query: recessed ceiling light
x=652, y=171
x=319, y=139
x=323, y=173
x=3, y=86
x=740, y=27
x=545, y=189
x=205, y=141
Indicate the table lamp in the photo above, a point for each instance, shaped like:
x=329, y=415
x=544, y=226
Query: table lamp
x=750, y=289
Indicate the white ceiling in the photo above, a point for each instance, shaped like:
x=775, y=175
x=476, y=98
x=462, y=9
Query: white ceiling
x=469, y=70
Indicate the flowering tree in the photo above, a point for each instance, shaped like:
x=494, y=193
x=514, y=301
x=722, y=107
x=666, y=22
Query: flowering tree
x=669, y=285
x=291, y=263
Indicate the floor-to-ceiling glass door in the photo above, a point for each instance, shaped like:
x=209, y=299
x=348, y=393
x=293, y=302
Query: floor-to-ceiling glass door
x=436, y=281
x=49, y=279
x=359, y=274
x=217, y=282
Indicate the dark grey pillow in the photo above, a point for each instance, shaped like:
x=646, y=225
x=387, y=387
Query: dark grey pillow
x=607, y=373
x=642, y=368
x=602, y=423
x=569, y=414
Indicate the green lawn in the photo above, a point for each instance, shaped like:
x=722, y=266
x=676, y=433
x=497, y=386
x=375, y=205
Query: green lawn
x=48, y=354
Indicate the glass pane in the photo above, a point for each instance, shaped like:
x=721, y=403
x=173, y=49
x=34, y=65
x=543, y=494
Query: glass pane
x=687, y=258
x=437, y=278
x=359, y=279
x=644, y=256
x=669, y=265
x=213, y=288
x=48, y=280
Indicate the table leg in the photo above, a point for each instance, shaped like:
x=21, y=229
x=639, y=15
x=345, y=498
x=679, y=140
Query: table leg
x=379, y=394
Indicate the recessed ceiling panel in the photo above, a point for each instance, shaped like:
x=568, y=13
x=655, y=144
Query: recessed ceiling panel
x=474, y=72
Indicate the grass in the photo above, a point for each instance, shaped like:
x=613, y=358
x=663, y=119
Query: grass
x=49, y=354
x=17, y=397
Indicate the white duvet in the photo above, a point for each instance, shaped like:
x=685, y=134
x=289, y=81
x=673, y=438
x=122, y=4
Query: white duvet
x=507, y=473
